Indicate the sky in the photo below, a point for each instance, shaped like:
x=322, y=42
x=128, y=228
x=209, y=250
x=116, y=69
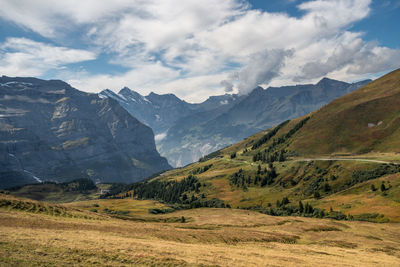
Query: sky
x=194, y=48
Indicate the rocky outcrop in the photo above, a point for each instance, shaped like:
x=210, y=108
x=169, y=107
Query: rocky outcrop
x=51, y=131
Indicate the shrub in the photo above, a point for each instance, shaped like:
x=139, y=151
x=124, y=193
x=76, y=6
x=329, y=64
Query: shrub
x=383, y=188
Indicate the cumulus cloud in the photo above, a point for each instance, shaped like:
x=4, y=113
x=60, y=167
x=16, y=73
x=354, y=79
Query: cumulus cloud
x=194, y=48
x=354, y=56
x=24, y=57
x=228, y=85
x=261, y=69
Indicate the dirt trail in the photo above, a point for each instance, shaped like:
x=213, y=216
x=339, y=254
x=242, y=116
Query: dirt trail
x=325, y=159
x=337, y=159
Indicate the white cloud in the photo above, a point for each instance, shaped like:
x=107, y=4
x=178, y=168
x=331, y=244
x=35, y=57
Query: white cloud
x=150, y=78
x=24, y=57
x=49, y=18
x=261, y=69
x=189, y=47
x=356, y=57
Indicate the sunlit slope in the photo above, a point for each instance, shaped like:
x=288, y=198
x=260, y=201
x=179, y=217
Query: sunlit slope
x=365, y=120
x=347, y=145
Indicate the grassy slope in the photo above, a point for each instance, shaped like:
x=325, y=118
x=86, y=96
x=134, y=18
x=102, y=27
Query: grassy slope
x=55, y=193
x=211, y=237
x=338, y=130
x=342, y=125
x=361, y=199
x=367, y=201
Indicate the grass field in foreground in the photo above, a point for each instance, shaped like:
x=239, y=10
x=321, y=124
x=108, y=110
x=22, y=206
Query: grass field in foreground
x=210, y=237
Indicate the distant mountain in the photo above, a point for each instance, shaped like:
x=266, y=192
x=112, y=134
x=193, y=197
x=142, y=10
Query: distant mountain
x=187, y=131
x=165, y=112
x=261, y=109
x=157, y=111
x=161, y=111
x=51, y=131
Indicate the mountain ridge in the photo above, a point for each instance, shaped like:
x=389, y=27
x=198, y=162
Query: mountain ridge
x=259, y=110
x=191, y=131
x=52, y=131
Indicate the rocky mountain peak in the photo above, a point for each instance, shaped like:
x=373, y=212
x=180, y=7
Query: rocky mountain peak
x=330, y=82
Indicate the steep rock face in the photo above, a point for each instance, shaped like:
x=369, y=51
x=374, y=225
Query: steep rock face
x=51, y=131
x=157, y=111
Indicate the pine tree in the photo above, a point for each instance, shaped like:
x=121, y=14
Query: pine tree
x=301, y=207
x=282, y=156
x=383, y=188
x=327, y=187
x=285, y=201
x=308, y=209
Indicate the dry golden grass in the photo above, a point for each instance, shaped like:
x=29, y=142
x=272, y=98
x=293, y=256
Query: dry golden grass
x=210, y=237
x=131, y=206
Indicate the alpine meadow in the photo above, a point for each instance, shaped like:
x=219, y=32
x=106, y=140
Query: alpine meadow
x=246, y=133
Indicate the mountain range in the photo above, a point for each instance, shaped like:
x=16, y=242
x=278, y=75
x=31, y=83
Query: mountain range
x=50, y=131
x=185, y=132
x=342, y=160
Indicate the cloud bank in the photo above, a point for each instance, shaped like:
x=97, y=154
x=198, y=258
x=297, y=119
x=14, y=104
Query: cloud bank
x=191, y=48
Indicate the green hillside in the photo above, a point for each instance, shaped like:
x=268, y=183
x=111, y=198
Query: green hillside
x=328, y=160
x=363, y=121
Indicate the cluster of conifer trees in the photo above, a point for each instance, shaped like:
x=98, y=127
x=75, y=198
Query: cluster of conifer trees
x=364, y=175
x=184, y=193
x=271, y=154
x=202, y=169
x=286, y=208
x=268, y=156
x=268, y=135
x=263, y=177
x=166, y=191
